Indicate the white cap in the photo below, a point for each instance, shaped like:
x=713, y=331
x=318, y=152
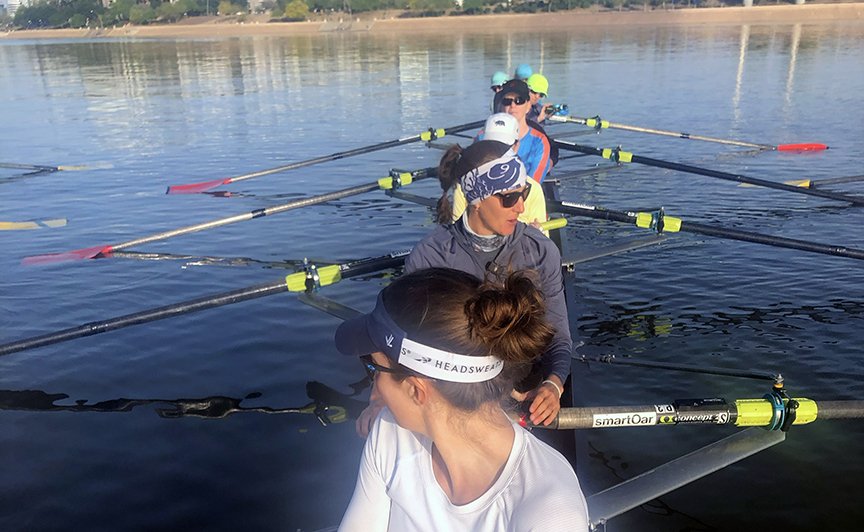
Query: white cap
x=501, y=127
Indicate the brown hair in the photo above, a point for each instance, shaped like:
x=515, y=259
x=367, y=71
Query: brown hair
x=457, y=162
x=454, y=311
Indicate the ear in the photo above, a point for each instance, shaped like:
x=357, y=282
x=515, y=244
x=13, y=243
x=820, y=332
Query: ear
x=417, y=389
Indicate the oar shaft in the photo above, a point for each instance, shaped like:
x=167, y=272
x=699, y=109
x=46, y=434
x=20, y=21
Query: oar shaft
x=677, y=134
x=745, y=179
x=836, y=180
x=257, y=213
x=776, y=241
x=658, y=163
x=591, y=211
x=763, y=412
x=352, y=152
x=841, y=409
x=294, y=282
x=168, y=311
x=18, y=166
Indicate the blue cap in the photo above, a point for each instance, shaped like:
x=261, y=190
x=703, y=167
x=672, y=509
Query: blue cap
x=499, y=78
x=523, y=71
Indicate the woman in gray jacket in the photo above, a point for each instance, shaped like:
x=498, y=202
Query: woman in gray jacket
x=489, y=243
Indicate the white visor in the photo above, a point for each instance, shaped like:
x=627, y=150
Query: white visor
x=446, y=366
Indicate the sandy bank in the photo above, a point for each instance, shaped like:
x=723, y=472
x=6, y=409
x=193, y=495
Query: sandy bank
x=779, y=14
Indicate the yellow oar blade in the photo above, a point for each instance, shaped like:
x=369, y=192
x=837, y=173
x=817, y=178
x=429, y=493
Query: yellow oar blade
x=803, y=183
x=33, y=224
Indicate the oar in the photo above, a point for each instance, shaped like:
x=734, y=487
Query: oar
x=814, y=183
x=33, y=224
x=768, y=412
x=774, y=412
x=41, y=168
x=621, y=156
x=598, y=123
x=660, y=222
x=295, y=282
x=385, y=183
x=430, y=134
x=204, y=260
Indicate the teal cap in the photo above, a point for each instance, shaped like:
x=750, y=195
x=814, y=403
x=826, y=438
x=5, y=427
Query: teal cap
x=499, y=78
x=524, y=71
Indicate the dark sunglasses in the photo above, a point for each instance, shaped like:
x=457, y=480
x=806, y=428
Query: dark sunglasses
x=506, y=102
x=373, y=369
x=512, y=198
x=538, y=93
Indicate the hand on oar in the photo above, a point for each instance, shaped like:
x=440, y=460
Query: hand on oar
x=430, y=134
x=598, y=123
x=620, y=156
x=385, y=183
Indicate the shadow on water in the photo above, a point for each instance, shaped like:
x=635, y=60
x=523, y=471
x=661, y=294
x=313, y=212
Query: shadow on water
x=327, y=405
x=643, y=320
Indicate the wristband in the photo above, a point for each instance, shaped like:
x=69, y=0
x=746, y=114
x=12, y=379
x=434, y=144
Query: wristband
x=557, y=388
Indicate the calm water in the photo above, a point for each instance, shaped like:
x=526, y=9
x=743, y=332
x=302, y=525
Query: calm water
x=139, y=115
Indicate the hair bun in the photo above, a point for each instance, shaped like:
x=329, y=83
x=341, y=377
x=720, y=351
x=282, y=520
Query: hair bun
x=510, y=320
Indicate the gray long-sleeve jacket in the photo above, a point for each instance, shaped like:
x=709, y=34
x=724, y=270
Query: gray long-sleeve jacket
x=526, y=249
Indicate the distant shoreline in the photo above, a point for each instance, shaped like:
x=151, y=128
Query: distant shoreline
x=559, y=21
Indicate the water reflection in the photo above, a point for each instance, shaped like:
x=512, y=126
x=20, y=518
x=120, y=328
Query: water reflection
x=644, y=320
x=744, y=40
x=790, y=76
x=328, y=405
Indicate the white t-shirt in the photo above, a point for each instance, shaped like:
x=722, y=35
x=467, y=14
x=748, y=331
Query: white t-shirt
x=397, y=491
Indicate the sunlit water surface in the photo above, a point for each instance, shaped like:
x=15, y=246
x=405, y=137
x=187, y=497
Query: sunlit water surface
x=139, y=115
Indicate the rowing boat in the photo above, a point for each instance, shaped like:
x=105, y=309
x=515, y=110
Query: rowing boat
x=314, y=277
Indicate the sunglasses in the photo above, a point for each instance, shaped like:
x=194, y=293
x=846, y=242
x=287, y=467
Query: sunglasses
x=512, y=198
x=507, y=102
x=373, y=369
x=539, y=94
x=496, y=88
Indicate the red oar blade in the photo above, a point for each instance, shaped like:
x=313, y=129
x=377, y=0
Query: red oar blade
x=806, y=146
x=75, y=254
x=197, y=188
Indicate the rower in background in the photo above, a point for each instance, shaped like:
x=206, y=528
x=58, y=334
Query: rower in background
x=504, y=128
x=489, y=243
x=538, y=88
x=523, y=72
x=535, y=148
x=498, y=79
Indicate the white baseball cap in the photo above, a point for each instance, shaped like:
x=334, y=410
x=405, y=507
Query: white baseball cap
x=501, y=127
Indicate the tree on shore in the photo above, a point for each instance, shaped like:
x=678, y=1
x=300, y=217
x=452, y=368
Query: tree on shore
x=141, y=14
x=226, y=7
x=59, y=14
x=91, y=13
x=296, y=10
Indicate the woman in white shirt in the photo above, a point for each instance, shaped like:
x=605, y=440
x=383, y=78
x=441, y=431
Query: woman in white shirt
x=444, y=351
